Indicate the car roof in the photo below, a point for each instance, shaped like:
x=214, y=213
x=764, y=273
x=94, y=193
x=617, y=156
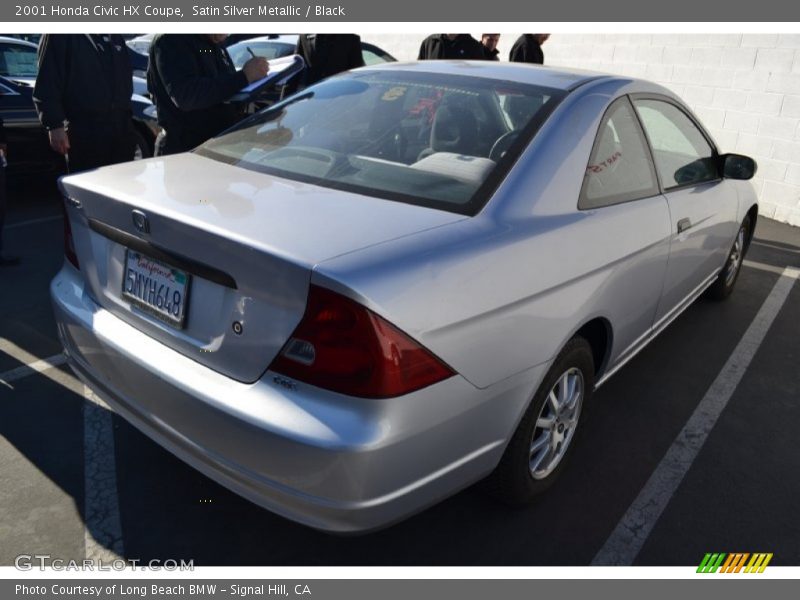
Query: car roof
x=551, y=77
x=13, y=40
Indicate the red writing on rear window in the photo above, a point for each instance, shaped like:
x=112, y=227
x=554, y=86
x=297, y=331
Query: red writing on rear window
x=605, y=164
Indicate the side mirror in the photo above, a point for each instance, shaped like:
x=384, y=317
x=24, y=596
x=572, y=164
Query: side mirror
x=737, y=166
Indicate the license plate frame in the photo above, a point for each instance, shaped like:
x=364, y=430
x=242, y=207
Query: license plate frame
x=163, y=271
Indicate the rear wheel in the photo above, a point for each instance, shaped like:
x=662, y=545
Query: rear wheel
x=726, y=280
x=546, y=436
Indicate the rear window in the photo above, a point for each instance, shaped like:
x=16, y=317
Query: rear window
x=423, y=138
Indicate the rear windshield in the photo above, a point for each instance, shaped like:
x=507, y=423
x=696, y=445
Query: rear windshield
x=436, y=140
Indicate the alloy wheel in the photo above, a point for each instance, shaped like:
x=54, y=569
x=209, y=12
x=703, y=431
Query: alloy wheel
x=556, y=424
x=735, y=258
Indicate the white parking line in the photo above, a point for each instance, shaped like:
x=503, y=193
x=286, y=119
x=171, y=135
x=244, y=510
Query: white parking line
x=102, y=525
x=623, y=545
x=774, y=247
x=34, y=222
x=30, y=364
x=763, y=267
x=38, y=366
x=10, y=348
x=103, y=529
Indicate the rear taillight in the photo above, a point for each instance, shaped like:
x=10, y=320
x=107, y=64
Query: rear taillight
x=342, y=346
x=69, y=241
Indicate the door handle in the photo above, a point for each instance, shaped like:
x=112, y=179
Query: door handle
x=684, y=224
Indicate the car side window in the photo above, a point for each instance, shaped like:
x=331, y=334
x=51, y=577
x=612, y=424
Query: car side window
x=371, y=58
x=619, y=169
x=681, y=152
x=17, y=60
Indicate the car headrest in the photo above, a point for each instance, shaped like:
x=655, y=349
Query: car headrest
x=455, y=129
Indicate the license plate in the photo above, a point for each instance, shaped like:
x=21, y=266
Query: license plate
x=156, y=287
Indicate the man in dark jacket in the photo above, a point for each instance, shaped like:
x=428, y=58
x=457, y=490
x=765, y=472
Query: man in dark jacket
x=528, y=48
x=442, y=46
x=190, y=77
x=327, y=54
x=489, y=42
x=83, y=97
x=5, y=260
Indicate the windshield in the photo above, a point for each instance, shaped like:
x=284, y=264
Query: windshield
x=437, y=140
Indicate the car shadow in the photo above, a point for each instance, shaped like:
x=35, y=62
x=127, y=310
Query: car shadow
x=41, y=426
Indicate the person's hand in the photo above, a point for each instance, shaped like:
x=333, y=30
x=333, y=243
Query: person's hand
x=256, y=68
x=3, y=150
x=59, y=141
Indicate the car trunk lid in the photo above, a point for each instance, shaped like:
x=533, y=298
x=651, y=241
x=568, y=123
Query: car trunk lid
x=246, y=243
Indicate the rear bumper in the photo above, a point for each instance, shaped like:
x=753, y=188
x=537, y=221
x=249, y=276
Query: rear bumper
x=328, y=461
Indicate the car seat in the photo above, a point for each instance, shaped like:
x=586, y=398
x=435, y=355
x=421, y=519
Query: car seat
x=455, y=129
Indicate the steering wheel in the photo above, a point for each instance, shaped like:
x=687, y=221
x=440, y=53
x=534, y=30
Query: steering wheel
x=502, y=144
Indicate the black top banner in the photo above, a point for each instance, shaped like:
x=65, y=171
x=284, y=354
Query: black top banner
x=472, y=11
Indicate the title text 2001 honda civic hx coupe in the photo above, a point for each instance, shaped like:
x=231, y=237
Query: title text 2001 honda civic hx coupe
x=399, y=281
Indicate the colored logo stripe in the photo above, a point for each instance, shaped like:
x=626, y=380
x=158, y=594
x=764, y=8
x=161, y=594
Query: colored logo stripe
x=734, y=562
x=758, y=563
x=711, y=563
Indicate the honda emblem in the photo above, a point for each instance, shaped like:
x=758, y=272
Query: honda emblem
x=140, y=221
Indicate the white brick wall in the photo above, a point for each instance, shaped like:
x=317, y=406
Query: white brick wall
x=744, y=87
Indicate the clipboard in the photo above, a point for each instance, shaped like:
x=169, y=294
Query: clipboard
x=281, y=70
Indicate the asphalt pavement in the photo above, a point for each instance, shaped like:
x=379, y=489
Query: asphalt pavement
x=68, y=491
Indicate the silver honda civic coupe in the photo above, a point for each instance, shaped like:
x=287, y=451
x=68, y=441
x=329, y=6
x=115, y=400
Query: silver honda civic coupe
x=398, y=282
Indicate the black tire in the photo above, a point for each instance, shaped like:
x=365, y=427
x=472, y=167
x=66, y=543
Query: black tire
x=726, y=280
x=141, y=148
x=514, y=481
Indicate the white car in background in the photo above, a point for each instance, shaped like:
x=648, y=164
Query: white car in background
x=269, y=46
x=277, y=46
